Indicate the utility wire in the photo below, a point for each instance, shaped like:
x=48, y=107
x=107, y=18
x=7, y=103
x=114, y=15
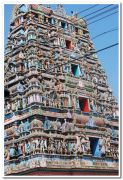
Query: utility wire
x=93, y=12
x=97, y=10
x=108, y=47
x=103, y=18
x=87, y=9
x=86, y=55
x=106, y=32
x=101, y=13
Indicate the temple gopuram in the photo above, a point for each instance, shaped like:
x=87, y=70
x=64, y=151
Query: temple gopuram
x=61, y=117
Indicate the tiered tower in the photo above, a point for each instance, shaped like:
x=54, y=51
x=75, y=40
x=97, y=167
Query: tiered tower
x=60, y=115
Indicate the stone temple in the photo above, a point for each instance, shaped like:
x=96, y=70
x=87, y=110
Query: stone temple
x=60, y=115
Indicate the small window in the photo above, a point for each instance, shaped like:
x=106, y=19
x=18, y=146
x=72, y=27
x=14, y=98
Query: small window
x=36, y=16
x=83, y=104
x=68, y=44
x=84, y=32
x=94, y=146
x=53, y=21
x=49, y=20
x=44, y=19
x=63, y=25
x=76, y=29
x=75, y=70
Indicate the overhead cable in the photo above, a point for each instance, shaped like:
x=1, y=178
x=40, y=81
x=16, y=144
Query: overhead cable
x=85, y=55
x=87, y=9
x=97, y=11
x=97, y=15
x=102, y=18
x=106, y=32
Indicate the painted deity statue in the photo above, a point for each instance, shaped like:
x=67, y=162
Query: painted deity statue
x=47, y=124
x=27, y=126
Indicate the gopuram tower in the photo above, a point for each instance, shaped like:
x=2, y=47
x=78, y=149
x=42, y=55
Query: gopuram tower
x=60, y=115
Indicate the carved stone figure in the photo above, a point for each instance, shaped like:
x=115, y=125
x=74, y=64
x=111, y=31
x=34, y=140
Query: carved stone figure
x=64, y=126
x=102, y=146
x=56, y=125
x=90, y=122
x=78, y=145
x=6, y=153
x=24, y=102
x=12, y=152
x=32, y=146
x=42, y=148
x=8, y=107
x=21, y=127
x=47, y=124
x=36, y=124
x=87, y=145
x=27, y=126
x=16, y=129
x=27, y=147
x=51, y=148
x=108, y=145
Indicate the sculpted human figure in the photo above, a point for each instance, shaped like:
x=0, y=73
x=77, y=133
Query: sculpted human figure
x=60, y=150
x=74, y=102
x=87, y=145
x=64, y=126
x=58, y=124
x=103, y=146
x=70, y=147
x=108, y=144
x=51, y=145
x=32, y=145
x=6, y=153
x=45, y=144
x=83, y=144
x=47, y=124
x=8, y=107
x=59, y=147
x=12, y=152
x=74, y=148
x=24, y=102
x=18, y=104
x=27, y=126
x=22, y=148
x=78, y=145
x=16, y=129
x=64, y=146
x=21, y=127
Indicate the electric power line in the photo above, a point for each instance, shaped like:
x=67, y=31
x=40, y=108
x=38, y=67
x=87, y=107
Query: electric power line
x=102, y=18
x=97, y=10
x=101, y=13
x=87, y=9
x=108, y=47
x=93, y=12
x=106, y=32
x=86, y=55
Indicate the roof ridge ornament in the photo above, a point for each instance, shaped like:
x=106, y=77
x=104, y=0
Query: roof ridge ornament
x=60, y=10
